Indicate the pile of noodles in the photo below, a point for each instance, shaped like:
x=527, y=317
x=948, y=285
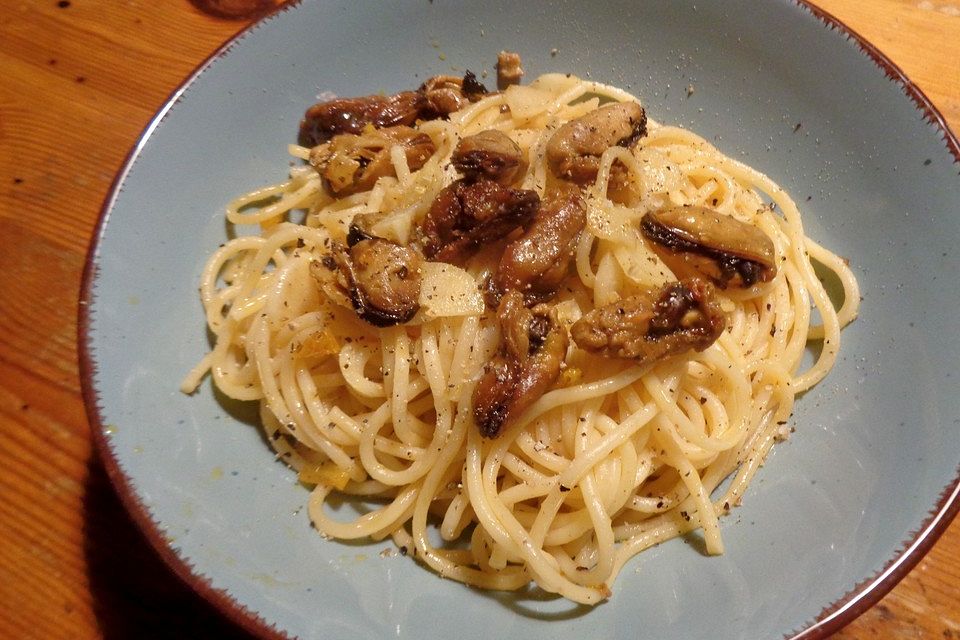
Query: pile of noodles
x=617, y=457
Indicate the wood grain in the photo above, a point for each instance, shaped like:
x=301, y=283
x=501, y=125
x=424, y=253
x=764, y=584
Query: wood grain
x=81, y=79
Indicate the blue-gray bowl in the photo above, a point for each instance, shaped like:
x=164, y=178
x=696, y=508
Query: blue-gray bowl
x=837, y=515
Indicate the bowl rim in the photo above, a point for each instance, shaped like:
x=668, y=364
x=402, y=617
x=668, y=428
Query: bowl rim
x=832, y=617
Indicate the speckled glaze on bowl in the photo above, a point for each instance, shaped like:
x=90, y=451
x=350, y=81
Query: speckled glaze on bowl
x=838, y=514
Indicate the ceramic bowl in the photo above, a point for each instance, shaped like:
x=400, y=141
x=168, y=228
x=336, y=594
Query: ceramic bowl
x=838, y=513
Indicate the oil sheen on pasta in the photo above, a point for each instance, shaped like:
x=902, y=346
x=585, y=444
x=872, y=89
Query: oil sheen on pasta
x=615, y=457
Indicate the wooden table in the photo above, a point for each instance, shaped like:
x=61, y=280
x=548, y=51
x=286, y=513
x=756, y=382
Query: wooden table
x=80, y=79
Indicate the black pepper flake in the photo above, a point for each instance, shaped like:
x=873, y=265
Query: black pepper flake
x=781, y=422
x=63, y=4
x=773, y=331
x=300, y=243
x=660, y=504
x=403, y=551
x=80, y=79
x=797, y=127
x=564, y=488
x=703, y=401
x=17, y=180
x=927, y=162
x=685, y=516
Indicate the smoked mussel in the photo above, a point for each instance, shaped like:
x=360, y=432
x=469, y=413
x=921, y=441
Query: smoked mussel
x=466, y=215
x=573, y=152
x=693, y=239
x=509, y=69
x=445, y=94
x=489, y=154
x=438, y=97
x=382, y=279
x=533, y=344
x=537, y=263
x=350, y=163
x=679, y=317
x=324, y=120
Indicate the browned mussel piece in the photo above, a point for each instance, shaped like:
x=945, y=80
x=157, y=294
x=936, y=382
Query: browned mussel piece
x=680, y=317
x=538, y=262
x=382, y=278
x=445, y=94
x=509, y=69
x=354, y=162
x=436, y=98
x=489, y=154
x=699, y=240
x=324, y=120
x=573, y=152
x=465, y=215
x=532, y=347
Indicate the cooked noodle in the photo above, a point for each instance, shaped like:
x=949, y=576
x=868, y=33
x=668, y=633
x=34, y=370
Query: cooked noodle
x=614, y=459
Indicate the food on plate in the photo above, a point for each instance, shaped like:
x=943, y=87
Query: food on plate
x=533, y=329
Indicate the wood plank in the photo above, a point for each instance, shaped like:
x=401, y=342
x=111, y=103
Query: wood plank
x=921, y=37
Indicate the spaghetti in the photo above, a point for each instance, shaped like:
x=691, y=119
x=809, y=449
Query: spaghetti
x=616, y=457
